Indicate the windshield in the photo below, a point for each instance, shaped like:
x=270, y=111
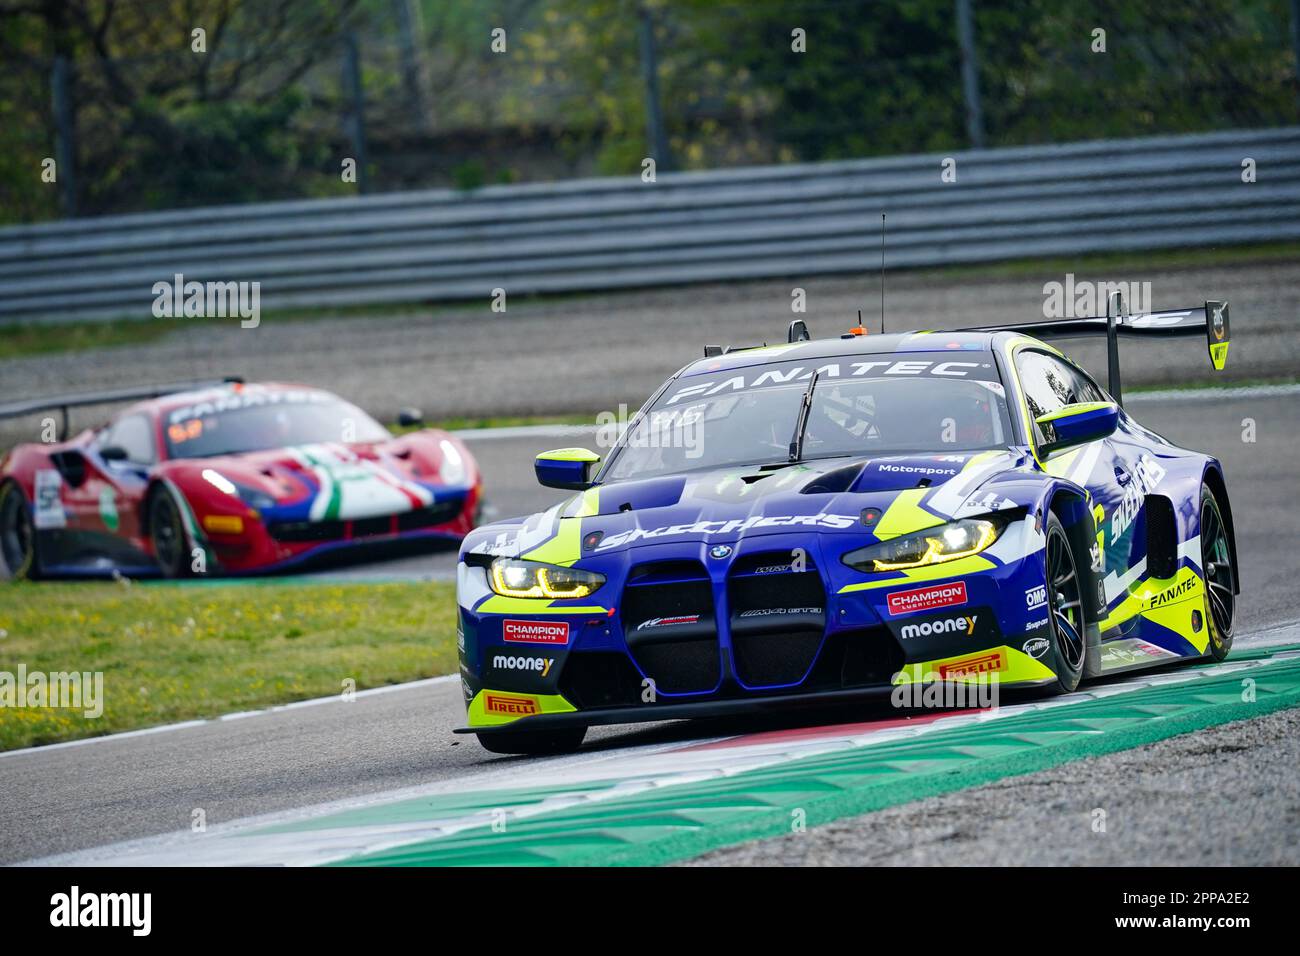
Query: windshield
x=254, y=420
x=924, y=402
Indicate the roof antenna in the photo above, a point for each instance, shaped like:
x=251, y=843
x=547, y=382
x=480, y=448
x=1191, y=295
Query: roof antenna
x=882, y=273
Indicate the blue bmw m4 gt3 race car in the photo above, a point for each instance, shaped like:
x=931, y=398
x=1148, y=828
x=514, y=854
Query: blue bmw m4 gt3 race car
x=827, y=520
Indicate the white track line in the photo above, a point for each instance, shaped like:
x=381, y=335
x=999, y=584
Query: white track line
x=1211, y=394
x=239, y=715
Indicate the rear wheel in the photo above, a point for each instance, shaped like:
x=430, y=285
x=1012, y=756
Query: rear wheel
x=1064, y=607
x=17, y=533
x=534, y=743
x=1220, y=576
x=167, y=531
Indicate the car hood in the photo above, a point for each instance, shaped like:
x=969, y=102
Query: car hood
x=828, y=496
x=332, y=481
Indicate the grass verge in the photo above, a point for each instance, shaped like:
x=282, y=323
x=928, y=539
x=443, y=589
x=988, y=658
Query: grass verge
x=171, y=652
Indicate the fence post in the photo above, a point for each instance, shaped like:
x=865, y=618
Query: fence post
x=1295, y=44
x=65, y=133
x=970, y=79
x=658, y=139
x=410, y=60
x=355, y=122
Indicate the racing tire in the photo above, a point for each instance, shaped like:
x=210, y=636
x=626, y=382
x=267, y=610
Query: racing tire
x=534, y=743
x=1220, y=576
x=17, y=534
x=1065, y=609
x=167, y=534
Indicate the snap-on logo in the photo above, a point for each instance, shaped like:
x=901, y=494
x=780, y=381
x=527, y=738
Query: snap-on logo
x=508, y=705
x=925, y=599
x=535, y=632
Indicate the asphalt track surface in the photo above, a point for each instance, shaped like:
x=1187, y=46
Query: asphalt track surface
x=72, y=798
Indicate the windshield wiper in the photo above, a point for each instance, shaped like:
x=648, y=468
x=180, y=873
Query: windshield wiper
x=801, y=426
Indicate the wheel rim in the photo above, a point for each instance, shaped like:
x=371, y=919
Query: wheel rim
x=1063, y=599
x=166, y=533
x=1216, y=560
x=15, y=531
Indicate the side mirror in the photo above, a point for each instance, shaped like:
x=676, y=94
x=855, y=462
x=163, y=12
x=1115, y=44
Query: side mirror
x=410, y=418
x=113, y=453
x=1076, y=425
x=568, y=468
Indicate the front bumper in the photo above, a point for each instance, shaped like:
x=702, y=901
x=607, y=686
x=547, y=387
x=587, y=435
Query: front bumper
x=699, y=637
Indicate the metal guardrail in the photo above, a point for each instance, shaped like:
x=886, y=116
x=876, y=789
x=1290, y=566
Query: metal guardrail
x=749, y=223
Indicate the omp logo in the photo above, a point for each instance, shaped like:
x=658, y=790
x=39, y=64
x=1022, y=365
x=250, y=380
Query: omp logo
x=74, y=908
x=1149, y=473
x=522, y=662
x=972, y=666
x=945, y=625
x=668, y=621
x=535, y=632
x=1035, y=597
x=1173, y=593
x=924, y=599
x=510, y=706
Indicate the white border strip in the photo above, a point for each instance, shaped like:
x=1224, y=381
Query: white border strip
x=239, y=715
x=1211, y=393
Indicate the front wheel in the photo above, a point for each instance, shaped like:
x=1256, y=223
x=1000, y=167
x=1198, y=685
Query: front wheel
x=534, y=743
x=1064, y=607
x=167, y=532
x=17, y=533
x=1220, y=576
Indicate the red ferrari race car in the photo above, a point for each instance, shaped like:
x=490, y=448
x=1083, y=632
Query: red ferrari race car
x=225, y=478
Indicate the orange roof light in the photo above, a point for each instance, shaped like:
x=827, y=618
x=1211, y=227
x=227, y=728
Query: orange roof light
x=858, y=330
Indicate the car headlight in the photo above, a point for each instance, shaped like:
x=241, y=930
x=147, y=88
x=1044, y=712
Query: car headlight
x=511, y=577
x=946, y=542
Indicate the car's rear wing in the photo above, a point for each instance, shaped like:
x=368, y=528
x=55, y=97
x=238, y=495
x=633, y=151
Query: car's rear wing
x=1211, y=320
x=137, y=394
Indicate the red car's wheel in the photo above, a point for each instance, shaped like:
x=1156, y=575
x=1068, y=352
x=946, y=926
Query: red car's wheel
x=17, y=534
x=167, y=532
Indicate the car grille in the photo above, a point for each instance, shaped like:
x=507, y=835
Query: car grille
x=669, y=624
x=778, y=619
x=436, y=514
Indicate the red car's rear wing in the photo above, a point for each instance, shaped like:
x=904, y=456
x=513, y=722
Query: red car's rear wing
x=1211, y=319
x=136, y=394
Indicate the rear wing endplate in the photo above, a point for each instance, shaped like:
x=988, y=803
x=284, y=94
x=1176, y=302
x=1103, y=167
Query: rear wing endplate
x=1210, y=320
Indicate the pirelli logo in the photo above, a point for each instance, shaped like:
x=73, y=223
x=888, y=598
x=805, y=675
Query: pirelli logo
x=510, y=705
x=535, y=632
x=973, y=666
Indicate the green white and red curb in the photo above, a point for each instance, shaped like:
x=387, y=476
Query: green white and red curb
x=650, y=805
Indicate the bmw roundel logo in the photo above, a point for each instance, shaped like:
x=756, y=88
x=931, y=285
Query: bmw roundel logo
x=720, y=551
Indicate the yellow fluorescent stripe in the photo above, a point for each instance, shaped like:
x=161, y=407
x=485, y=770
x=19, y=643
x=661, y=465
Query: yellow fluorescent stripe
x=491, y=708
x=934, y=572
x=497, y=604
x=1010, y=665
x=906, y=515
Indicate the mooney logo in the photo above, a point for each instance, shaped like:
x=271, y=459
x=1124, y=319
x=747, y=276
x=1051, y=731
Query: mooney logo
x=925, y=599
x=510, y=706
x=945, y=625
x=973, y=666
x=535, y=632
x=541, y=665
